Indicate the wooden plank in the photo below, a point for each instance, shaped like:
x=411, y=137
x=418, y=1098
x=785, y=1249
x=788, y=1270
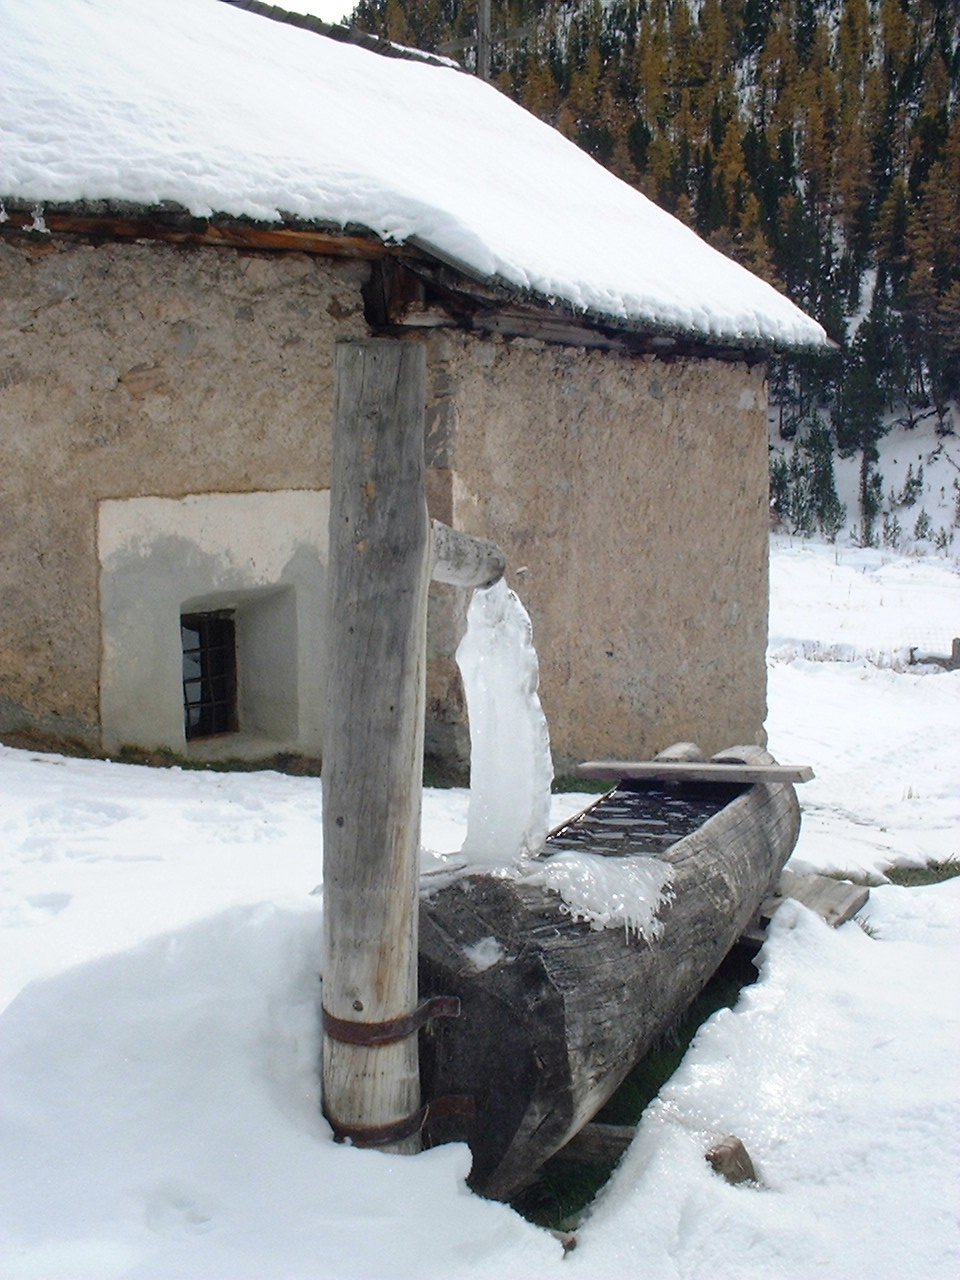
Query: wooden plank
x=694, y=771
x=835, y=901
x=380, y=550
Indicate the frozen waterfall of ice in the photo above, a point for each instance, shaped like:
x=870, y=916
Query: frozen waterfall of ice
x=510, y=764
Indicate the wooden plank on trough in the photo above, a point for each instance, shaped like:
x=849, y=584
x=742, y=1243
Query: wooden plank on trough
x=694, y=771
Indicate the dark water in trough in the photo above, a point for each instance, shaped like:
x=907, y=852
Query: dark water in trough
x=642, y=817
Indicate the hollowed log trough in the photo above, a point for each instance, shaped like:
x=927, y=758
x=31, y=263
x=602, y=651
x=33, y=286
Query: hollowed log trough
x=549, y=1031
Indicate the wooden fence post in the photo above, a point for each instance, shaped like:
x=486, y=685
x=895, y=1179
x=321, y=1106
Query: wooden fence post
x=380, y=554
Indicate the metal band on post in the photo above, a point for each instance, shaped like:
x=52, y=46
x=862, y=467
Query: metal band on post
x=369, y=1135
x=371, y=1034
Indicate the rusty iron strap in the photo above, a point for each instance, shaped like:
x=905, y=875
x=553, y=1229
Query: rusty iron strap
x=379, y=1135
x=372, y=1034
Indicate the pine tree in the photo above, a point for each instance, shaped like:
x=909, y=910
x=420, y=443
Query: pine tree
x=828, y=511
x=800, y=507
x=858, y=416
x=780, y=488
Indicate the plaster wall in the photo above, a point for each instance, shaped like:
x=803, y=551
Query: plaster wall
x=133, y=371
x=260, y=555
x=630, y=497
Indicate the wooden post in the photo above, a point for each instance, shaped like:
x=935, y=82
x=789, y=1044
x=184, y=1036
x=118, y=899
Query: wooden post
x=483, y=40
x=380, y=553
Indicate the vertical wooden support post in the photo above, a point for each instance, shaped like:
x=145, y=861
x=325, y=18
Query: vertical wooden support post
x=483, y=40
x=380, y=551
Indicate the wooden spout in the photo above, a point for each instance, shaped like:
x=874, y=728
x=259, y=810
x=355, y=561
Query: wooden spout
x=464, y=560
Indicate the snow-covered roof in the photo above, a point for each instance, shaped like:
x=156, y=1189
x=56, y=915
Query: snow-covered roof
x=225, y=112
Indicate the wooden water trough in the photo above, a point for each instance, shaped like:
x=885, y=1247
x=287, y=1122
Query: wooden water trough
x=555, y=1013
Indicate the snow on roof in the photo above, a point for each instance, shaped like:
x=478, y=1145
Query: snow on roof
x=226, y=112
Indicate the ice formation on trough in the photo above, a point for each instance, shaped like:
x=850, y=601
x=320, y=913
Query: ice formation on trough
x=607, y=892
x=510, y=775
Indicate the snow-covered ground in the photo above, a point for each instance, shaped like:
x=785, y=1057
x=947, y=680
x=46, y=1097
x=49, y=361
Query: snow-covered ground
x=158, y=959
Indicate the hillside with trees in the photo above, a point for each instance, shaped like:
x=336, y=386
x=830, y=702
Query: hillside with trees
x=815, y=141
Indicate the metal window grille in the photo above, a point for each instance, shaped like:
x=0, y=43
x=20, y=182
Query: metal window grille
x=209, y=673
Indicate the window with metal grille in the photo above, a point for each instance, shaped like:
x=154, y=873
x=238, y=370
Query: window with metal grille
x=209, y=673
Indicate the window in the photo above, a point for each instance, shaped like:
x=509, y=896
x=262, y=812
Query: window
x=209, y=648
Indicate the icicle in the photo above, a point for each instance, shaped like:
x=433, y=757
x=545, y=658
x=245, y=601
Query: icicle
x=510, y=764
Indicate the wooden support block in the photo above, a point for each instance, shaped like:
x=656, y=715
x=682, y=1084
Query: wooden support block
x=598, y=1143
x=694, y=771
x=835, y=901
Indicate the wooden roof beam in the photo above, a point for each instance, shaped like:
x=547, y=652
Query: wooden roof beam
x=181, y=228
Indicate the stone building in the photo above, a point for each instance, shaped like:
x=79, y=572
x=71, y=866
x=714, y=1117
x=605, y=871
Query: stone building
x=596, y=400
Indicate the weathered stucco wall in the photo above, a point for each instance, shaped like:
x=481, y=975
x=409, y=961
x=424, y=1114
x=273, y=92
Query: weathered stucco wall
x=632, y=494
x=142, y=370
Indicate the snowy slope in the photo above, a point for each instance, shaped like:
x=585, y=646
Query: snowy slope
x=220, y=110
x=919, y=473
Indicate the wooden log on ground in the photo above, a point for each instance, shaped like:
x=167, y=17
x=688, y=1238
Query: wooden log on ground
x=380, y=551
x=555, y=1013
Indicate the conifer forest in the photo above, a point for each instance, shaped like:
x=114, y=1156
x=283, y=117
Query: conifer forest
x=815, y=141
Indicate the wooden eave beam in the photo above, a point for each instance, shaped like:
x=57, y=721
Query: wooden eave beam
x=411, y=292
x=559, y=330
x=184, y=230
x=544, y=327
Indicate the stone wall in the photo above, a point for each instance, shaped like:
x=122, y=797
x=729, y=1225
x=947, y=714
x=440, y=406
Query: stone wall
x=142, y=370
x=630, y=496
